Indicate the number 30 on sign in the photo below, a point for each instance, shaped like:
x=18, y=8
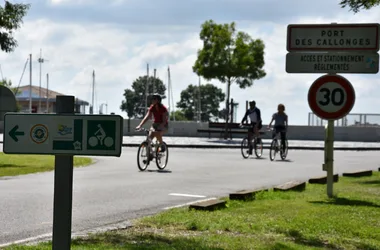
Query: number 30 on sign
x=331, y=97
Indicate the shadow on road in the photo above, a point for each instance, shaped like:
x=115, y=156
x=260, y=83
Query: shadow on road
x=347, y=202
x=159, y=171
x=286, y=160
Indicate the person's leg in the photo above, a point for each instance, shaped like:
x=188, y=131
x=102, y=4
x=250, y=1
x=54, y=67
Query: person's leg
x=159, y=135
x=250, y=146
x=283, y=138
x=257, y=132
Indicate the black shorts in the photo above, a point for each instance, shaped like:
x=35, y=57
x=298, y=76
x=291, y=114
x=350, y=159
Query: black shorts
x=155, y=126
x=279, y=129
x=252, y=128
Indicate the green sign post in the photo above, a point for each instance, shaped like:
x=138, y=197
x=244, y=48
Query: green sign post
x=64, y=135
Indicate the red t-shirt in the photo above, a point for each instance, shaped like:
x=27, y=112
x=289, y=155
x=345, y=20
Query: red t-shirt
x=158, y=113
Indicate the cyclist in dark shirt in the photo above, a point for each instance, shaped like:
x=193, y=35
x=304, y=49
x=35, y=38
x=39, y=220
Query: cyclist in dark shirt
x=254, y=115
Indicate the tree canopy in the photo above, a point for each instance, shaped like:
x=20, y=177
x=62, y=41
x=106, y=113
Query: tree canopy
x=356, y=5
x=11, y=16
x=210, y=97
x=134, y=99
x=8, y=83
x=229, y=56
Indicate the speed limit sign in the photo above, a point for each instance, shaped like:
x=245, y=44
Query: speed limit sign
x=331, y=97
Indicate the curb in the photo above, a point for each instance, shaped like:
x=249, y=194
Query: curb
x=265, y=147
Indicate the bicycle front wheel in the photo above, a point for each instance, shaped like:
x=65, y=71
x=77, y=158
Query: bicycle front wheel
x=143, y=156
x=162, y=157
x=245, y=148
x=273, y=150
x=284, y=154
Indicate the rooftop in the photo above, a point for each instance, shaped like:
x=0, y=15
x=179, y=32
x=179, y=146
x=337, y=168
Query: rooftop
x=23, y=94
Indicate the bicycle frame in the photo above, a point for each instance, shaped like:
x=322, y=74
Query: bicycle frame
x=254, y=136
x=276, y=137
x=148, y=140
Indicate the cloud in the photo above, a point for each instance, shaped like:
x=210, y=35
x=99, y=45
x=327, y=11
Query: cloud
x=118, y=38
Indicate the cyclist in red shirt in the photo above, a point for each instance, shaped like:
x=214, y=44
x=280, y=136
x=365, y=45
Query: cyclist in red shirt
x=160, y=123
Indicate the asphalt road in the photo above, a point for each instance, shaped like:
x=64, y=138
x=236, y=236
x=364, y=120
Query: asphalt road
x=113, y=190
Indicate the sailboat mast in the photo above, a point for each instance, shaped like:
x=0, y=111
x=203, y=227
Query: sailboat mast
x=30, y=83
x=146, y=89
x=169, y=106
x=93, y=92
x=199, y=99
x=47, y=93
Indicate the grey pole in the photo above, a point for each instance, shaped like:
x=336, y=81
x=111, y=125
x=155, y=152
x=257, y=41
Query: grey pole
x=63, y=186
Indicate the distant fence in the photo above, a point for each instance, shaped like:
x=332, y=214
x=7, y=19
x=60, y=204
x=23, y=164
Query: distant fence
x=351, y=120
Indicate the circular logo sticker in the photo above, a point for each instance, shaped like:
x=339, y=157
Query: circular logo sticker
x=39, y=133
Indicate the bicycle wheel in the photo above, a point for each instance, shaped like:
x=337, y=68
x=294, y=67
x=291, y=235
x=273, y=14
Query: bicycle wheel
x=285, y=153
x=258, y=148
x=273, y=150
x=142, y=153
x=162, y=157
x=245, y=148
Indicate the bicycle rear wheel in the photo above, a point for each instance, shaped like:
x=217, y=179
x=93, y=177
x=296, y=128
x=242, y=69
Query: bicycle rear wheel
x=143, y=155
x=273, y=150
x=162, y=157
x=245, y=148
x=285, y=153
x=258, y=148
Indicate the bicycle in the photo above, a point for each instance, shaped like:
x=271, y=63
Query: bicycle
x=148, y=145
x=275, y=147
x=258, y=147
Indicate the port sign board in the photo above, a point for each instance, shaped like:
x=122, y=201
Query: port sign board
x=56, y=134
x=351, y=62
x=333, y=37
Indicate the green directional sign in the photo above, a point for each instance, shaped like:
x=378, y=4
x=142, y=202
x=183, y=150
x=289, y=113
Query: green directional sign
x=14, y=133
x=56, y=134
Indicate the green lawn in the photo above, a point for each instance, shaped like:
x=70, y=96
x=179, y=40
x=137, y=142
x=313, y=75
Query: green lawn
x=281, y=220
x=11, y=165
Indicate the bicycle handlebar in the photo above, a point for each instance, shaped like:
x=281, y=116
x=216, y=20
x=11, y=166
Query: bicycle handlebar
x=142, y=130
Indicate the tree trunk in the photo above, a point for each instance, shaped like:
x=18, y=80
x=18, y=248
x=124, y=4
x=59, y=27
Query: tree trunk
x=227, y=108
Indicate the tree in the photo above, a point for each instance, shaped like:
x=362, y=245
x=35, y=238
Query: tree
x=179, y=115
x=210, y=97
x=11, y=16
x=134, y=103
x=8, y=84
x=229, y=56
x=356, y=5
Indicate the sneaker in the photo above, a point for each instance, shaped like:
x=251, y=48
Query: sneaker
x=163, y=148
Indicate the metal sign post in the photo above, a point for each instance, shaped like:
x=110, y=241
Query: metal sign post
x=63, y=186
x=329, y=159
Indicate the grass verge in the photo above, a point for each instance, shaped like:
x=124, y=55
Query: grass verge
x=12, y=165
x=275, y=220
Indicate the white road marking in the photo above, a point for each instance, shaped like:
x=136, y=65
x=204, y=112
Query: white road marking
x=27, y=240
x=189, y=203
x=188, y=195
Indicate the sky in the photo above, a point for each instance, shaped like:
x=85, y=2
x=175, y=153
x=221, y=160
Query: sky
x=117, y=38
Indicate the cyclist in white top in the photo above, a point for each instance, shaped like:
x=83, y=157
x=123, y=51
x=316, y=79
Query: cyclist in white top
x=280, y=120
